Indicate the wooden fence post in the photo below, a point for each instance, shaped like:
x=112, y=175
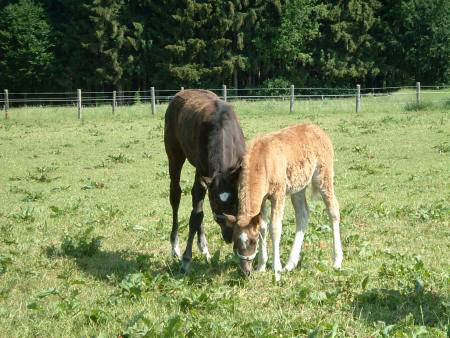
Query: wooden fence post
x=114, y=102
x=418, y=92
x=291, y=106
x=152, y=92
x=6, y=104
x=224, y=92
x=80, y=113
x=358, y=98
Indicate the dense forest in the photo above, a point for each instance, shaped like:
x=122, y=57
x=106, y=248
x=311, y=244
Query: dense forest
x=61, y=45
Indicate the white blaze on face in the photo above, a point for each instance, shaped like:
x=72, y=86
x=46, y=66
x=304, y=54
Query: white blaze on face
x=244, y=239
x=224, y=196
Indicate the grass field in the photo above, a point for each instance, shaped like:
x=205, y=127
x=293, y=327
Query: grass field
x=85, y=222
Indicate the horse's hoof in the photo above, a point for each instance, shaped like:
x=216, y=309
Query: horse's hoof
x=185, y=266
x=176, y=251
x=176, y=254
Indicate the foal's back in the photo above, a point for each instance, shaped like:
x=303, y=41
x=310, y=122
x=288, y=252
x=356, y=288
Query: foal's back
x=291, y=157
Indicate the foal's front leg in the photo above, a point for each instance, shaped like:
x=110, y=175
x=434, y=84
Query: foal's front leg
x=275, y=230
x=195, y=220
x=262, y=254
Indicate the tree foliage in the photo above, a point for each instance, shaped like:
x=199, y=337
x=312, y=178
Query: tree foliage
x=26, y=47
x=106, y=44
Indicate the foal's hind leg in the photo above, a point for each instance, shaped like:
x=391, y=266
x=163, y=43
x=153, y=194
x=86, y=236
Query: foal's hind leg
x=301, y=220
x=175, y=166
x=195, y=220
x=327, y=191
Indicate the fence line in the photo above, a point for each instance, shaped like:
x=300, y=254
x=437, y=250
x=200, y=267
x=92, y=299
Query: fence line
x=157, y=96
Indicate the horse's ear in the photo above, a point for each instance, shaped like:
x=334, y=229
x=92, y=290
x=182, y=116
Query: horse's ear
x=234, y=173
x=206, y=180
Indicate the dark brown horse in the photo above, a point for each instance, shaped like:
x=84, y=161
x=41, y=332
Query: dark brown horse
x=205, y=130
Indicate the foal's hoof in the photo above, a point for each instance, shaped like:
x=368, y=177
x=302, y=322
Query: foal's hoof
x=260, y=268
x=289, y=267
x=185, y=266
x=277, y=276
x=337, y=263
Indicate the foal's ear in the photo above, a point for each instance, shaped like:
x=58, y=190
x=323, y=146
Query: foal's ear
x=230, y=220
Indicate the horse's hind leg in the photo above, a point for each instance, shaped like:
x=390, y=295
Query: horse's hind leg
x=301, y=220
x=327, y=191
x=195, y=224
x=175, y=166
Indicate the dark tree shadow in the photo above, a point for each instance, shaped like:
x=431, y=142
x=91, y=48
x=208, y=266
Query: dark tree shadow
x=392, y=306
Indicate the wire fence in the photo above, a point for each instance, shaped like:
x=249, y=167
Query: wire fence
x=155, y=97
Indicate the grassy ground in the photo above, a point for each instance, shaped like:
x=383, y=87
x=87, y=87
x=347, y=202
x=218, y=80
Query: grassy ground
x=85, y=221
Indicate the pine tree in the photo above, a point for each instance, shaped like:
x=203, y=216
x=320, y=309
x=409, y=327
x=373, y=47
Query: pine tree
x=347, y=46
x=107, y=41
x=197, y=54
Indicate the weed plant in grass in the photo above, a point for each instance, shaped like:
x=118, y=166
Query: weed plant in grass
x=85, y=221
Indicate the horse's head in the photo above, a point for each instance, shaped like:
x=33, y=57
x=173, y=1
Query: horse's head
x=246, y=236
x=222, y=192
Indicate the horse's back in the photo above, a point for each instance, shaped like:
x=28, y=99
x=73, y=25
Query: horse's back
x=193, y=105
x=188, y=122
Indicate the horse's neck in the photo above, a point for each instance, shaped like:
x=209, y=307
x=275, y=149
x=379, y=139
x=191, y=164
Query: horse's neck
x=223, y=148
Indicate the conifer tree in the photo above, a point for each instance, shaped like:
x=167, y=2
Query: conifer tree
x=107, y=41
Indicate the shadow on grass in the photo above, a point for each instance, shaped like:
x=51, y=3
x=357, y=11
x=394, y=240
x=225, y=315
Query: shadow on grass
x=394, y=306
x=200, y=271
x=113, y=266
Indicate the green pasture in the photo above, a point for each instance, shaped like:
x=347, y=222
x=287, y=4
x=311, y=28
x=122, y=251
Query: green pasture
x=85, y=222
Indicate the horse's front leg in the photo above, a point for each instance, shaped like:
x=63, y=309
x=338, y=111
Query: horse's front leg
x=195, y=224
x=175, y=165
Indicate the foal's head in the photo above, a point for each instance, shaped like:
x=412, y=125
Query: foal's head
x=222, y=194
x=246, y=236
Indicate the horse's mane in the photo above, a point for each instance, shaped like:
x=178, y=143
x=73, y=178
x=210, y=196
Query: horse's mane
x=224, y=124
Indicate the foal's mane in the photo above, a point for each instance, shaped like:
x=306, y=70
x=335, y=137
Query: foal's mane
x=249, y=204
